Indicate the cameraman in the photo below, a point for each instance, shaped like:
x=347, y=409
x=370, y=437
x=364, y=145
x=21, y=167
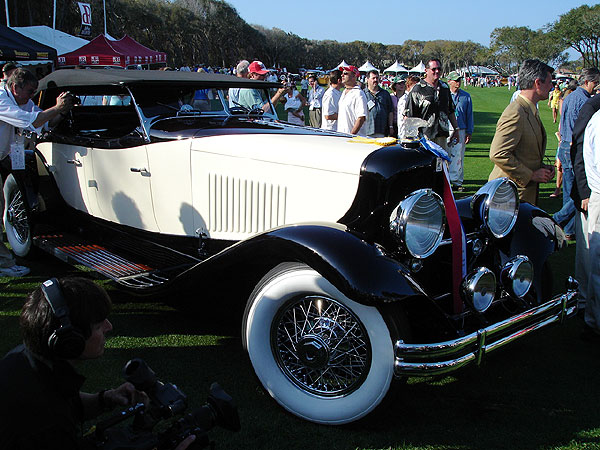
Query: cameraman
x=62, y=322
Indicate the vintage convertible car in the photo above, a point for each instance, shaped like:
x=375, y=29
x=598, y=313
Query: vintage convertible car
x=357, y=266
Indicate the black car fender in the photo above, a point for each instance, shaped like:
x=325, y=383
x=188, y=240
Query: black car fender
x=359, y=269
x=26, y=179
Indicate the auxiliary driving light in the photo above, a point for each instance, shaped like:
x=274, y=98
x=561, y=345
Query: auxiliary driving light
x=517, y=276
x=479, y=288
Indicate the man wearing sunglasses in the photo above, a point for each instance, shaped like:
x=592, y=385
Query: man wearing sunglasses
x=352, y=111
x=430, y=100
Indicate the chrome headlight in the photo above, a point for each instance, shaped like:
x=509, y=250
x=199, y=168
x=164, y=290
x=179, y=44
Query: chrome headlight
x=479, y=288
x=418, y=222
x=496, y=203
x=517, y=276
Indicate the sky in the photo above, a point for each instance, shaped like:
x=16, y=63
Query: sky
x=394, y=21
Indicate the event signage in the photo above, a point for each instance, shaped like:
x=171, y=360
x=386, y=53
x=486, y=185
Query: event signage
x=86, y=19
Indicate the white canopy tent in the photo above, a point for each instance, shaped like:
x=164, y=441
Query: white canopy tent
x=62, y=42
x=479, y=70
x=342, y=64
x=366, y=67
x=396, y=67
x=419, y=68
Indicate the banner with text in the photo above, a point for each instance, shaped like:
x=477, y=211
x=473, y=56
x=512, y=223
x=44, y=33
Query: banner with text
x=86, y=19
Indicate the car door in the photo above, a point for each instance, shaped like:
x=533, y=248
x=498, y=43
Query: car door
x=169, y=164
x=121, y=184
x=68, y=165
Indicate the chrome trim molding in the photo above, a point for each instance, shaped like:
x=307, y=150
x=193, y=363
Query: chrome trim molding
x=442, y=357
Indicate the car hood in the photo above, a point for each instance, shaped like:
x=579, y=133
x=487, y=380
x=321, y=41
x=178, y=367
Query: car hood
x=316, y=151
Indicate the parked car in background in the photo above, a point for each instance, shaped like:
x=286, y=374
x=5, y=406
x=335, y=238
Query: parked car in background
x=349, y=255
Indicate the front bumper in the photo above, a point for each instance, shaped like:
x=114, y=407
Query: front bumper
x=442, y=357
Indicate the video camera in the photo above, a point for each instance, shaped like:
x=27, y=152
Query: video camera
x=166, y=401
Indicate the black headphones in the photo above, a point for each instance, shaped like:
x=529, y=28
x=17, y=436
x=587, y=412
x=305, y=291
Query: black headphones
x=66, y=342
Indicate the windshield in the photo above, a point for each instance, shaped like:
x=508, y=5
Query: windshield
x=177, y=101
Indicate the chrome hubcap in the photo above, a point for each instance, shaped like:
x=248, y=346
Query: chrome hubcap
x=313, y=352
x=16, y=216
x=321, y=346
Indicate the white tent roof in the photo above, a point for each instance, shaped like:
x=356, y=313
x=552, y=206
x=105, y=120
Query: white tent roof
x=342, y=64
x=419, y=68
x=367, y=67
x=396, y=67
x=479, y=69
x=62, y=42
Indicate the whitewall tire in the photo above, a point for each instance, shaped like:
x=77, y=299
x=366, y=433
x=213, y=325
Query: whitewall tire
x=320, y=355
x=16, y=218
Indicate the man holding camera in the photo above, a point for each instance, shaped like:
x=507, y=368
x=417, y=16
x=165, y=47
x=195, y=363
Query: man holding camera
x=42, y=407
x=17, y=111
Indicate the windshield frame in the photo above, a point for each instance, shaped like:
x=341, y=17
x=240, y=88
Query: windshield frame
x=143, y=102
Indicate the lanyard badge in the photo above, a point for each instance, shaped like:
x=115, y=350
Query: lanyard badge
x=17, y=152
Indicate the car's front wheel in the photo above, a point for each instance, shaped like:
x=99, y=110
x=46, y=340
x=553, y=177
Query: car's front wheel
x=16, y=218
x=320, y=355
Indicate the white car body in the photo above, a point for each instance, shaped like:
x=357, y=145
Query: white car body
x=212, y=185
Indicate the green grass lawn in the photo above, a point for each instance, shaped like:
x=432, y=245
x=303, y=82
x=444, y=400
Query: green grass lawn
x=541, y=393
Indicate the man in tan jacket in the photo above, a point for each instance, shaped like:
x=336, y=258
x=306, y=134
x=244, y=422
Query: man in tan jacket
x=519, y=144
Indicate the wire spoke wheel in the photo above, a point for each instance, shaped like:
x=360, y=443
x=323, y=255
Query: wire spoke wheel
x=16, y=216
x=321, y=355
x=321, y=346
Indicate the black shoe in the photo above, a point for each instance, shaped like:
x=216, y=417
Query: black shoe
x=570, y=237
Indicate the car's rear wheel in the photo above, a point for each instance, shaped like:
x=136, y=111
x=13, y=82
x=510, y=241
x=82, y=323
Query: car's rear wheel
x=16, y=218
x=320, y=355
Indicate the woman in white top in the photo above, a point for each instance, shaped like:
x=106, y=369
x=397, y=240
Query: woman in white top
x=294, y=104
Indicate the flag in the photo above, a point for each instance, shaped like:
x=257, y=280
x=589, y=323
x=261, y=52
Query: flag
x=86, y=19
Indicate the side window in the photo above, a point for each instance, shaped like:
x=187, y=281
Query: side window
x=103, y=120
x=207, y=100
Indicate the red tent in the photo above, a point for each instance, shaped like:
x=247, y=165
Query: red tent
x=137, y=52
x=104, y=52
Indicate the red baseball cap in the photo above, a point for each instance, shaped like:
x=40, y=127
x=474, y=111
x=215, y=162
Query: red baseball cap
x=257, y=67
x=352, y=69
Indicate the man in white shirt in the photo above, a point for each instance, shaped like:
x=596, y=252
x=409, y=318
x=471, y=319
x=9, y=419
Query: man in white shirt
x=315, y=96
x=331, y=100
x=352, y=111
x=591, y=158
x=17, y=111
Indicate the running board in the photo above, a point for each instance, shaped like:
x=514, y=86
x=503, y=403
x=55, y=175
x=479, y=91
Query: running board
x=128, y=271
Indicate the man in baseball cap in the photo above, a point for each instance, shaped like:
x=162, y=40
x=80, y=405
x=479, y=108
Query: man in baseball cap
x=253, y=98
x=352, y=108
x=352, y=69
x=464, y=119
x=257, y=68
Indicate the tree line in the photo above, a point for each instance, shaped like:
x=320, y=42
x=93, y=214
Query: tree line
x=211, y=32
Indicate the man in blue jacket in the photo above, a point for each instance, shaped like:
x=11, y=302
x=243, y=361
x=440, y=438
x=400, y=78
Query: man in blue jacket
x=463, y=109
